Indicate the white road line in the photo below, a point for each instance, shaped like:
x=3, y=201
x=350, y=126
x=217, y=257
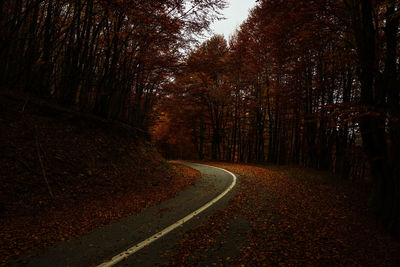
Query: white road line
x=125, y=254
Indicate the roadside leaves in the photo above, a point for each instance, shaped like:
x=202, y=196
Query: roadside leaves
x=39, y=227
x=289, y=221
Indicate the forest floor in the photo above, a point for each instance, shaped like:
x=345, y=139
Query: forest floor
x=287, y=216
x=97, y=171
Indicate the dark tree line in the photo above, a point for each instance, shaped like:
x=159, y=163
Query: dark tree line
x=107, y=57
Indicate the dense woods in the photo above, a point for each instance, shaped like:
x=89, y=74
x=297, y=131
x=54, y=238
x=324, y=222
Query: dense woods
x=314, y=83
x=110, y=58
x=73, y=74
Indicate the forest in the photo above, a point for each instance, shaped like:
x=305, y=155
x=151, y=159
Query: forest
x=310, y=83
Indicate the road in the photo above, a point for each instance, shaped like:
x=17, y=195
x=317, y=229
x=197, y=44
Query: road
x=107, y=242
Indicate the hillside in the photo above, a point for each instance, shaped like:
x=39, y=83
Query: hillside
x=64, y=173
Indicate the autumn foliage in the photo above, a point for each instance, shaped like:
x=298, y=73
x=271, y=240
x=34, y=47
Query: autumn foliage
x=314, y=83
x=287, y=217
x=310, y=83
x=110, y=58
x=98, y=173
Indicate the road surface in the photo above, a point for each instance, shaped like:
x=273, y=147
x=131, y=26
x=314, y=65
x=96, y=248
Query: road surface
x=108, y=242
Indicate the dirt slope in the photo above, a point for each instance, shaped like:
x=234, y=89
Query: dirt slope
x=97, y=171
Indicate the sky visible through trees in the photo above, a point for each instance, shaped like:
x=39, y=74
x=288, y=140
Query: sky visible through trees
x=313, y=83
x=236, y=12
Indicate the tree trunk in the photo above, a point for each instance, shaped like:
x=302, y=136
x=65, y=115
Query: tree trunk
x=385, y=197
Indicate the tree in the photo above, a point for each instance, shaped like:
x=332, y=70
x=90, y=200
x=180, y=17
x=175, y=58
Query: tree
x=379, y=102
x=110, y=58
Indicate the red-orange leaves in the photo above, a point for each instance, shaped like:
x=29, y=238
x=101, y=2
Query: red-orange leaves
x=62, y=221
x=276, y=219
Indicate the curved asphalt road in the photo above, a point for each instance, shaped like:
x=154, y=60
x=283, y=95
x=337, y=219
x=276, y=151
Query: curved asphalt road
x=108, y=241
